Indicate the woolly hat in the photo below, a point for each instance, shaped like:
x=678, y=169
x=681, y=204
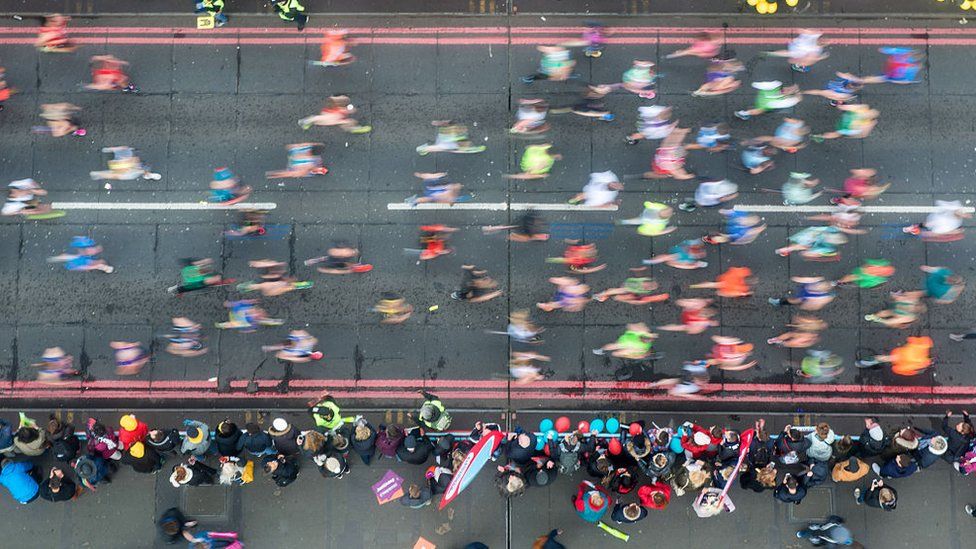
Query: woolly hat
x=137, y=450
x=128, y=422
x=332, y=465
x=938, y=445
x=876, y=433
x=701, y=439
x=194, y=435
x=906, y=439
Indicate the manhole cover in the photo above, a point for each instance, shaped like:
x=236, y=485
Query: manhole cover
x=205, y=501
x=818, y=505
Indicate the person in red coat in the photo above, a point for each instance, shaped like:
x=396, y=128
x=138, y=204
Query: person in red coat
x=131, y=431
x=702, y=443
x=656, y=495
x=591, y=502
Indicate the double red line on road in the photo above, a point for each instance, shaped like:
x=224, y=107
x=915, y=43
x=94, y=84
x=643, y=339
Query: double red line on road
x=385, y=390
x=476, y=36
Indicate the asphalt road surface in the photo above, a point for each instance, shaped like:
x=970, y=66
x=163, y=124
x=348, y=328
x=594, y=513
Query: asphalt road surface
x=233, y=97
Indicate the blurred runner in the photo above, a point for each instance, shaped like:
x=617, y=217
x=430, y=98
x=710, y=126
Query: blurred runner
x=298, y=348
x=600, y=192
x=226, y=188
x=55, y=366
x=556, y=65
x=871, y=274
x=654, y=220
x=335, y=49
x=245, y=315
x=771, y=96
x=341, y=258
x=185, y=338
x=530, y=118
x=130, y=357
x=731, y=353
x=251, y=224
x=803, y=51
x=856, y=122
x=944, y=224
x=812, y=293
x=476, y=286
x=529, y=227
x=696, y=316
x=636, y=343
x=437, y=189
x=274, y=281
x=734, y=283
x=523, y=368
x=669, y=158
x=394, y=308
x=23, y=199
x=634, y=291
x=571, y=295
x=905, y=308
x=53, y=35
x=61, y=120
x=942, y=285
x=107, y=75
x=720, y=76
x=304, y=160
x=705, y=46
x=740, y=228
x=579, y=258
x=451, y=137
x=654, y=122
x=337, y=111
x=910, y=359
x=536, y=162
x=805, y=333
x=640, y=78
x=800, y=189
x=433, y=241
x=197, y=274
x=124, y=166
x=82, y=255
x=688, y=254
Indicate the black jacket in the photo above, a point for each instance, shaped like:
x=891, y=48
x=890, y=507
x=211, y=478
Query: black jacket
x=784, y=495
x=873, y=498
x=958, y=443
x=169, y=443
x=255, y=444
x=617, y=515
x=227, y=444
x=286, y=442
x=365, y=448
x=286, y=473
x=202, y=474
x=419, y=456
x=148, y=463
x=868, y=447
x=67, y=491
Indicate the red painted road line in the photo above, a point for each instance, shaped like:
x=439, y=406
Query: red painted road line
x=493, y=395
x=481, y=41
x=475, y=384
x=315, y=32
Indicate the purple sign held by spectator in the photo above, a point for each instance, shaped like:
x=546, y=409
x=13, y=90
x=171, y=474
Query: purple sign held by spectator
x=389, y=488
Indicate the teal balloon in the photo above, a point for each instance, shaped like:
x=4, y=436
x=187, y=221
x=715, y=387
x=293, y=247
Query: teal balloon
x=596, y=426
x=551, y=434
x=540, y=443
x=545, y=425
x=613, y=425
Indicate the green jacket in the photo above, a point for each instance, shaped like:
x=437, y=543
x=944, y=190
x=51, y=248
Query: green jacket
x=288, y=9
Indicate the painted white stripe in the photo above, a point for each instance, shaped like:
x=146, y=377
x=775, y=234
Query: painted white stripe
x=499, y=207
x=763, y=208
x=161, y=206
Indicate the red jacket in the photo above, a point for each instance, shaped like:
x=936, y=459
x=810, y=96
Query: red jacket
x=128, y=438
x=646, y=494
x=709, y=450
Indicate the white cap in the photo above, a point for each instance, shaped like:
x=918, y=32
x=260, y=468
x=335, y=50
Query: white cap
x=768, y=85
x=651, y=110
x=701, y=438
x=279, y=424
x=23, y=184
x=606, y=177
